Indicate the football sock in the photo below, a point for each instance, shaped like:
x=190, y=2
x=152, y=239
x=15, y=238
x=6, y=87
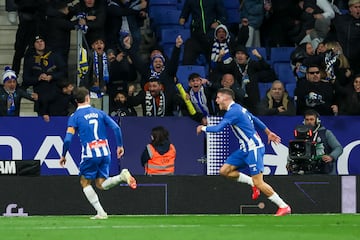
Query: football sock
x=111, y=182
x=93, y=199
x=245, y=179
x=277, y=200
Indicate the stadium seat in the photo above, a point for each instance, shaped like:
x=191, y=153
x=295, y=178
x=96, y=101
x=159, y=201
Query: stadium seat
x=180, y=4
x=290, y=88
x=168, y=48
x=280, y=54
x=233, y=16
x=228, y=4
x=161, y=17
x=263, y=88
x=168, y=35
x=156, y=10
x=284, y=72
x=261, y=50
x=163, y=2
x=184, y=71
x=164, y=16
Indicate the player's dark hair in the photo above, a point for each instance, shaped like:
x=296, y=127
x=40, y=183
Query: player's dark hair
x=80, y=93
x=227, y=91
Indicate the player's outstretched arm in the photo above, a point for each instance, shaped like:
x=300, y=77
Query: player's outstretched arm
x=272, y=137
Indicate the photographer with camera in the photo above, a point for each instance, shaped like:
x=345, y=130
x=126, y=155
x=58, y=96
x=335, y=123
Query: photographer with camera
x=315, y=149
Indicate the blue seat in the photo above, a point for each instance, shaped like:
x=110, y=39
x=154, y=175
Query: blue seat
x=290, y=88
x=263, y=88
x=161, y=17
x=228, y=4
x=261, y=50
x=169, y=35
x=168, y=48
x=184, y=71
x=163, y=2
x=280, y=54
x=284, y=72
x=233, y=16
x=180, y=4
x=164, y=16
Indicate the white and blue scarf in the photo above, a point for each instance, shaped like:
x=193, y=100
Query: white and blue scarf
x=199, y=101
x=217, y=46
x=105, y=67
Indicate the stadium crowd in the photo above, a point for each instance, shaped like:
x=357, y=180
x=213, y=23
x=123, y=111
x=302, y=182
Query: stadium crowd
x=117, y=58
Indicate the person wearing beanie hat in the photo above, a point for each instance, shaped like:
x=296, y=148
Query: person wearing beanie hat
x=42, y=70
x=157, y=65
x=10, y=94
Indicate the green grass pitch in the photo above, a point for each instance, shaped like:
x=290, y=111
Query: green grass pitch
x=183, y=227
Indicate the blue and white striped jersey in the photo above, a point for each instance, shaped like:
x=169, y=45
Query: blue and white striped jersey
x=243, y=124
x=91, y=123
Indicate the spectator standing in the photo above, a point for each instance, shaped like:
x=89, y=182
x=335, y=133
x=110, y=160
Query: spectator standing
x=31, y=21
x=159, y=156
x=122, y=17
x=277, y=102
x=98, y=75
x=223, y=47
x=206, y=16
x=42, y=70
x=11, y=9
x=349, y=36
x=122, y=72
x=11, y=94
x=316, y=19
x=252, y=13
x=248, y=73
x=91, y=13
x=279, y=23
x=59, y=29
x=159, y=67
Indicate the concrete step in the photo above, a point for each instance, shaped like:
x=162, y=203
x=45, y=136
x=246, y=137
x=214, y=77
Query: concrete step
x=27, y=108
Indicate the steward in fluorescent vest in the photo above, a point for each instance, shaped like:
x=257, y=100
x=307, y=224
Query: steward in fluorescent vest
x=158, y=158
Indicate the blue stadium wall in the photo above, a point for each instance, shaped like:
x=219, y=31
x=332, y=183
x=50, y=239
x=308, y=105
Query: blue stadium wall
x=30, y=138
x=189, y=191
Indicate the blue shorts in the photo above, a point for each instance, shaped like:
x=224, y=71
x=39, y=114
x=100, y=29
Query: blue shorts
x=97, y=167
x=252, y=159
